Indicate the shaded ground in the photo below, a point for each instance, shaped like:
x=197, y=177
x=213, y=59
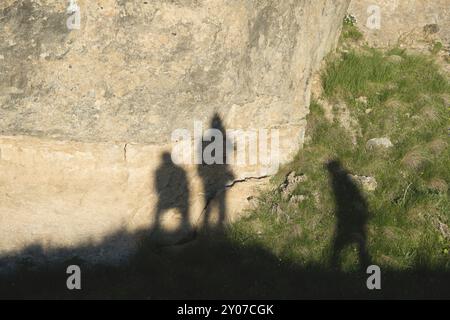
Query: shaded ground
x=217, y=268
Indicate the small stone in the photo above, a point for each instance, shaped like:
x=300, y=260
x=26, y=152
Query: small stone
x=362, y=100
x=252, y=201
x=368, y=111
x=379, y=143
x=368, y=183
x=443, y=229
x=395, y=58
x=297, y=199
x=290, y=183
x=2, y=57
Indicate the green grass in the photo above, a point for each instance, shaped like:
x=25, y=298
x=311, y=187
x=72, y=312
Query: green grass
x=351, y=32
x=437, y=47
x=406, y=99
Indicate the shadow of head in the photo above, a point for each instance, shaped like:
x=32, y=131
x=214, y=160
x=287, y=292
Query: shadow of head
x=166, y=157
x=216, y=122
x=334, y=166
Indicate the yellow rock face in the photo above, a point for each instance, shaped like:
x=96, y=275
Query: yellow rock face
x=407, y=23
x=87, y=114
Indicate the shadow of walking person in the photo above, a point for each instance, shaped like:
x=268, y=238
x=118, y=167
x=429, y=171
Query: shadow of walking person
x=173, y=193
x=351, y=213
x=214, y=173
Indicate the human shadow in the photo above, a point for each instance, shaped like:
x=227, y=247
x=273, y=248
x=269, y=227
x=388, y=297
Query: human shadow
x=172, y=187
x=215, y=173
x=219, y=267
x=351, y=213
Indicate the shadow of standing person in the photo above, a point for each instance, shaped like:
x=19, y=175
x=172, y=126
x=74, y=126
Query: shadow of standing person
x=352, y=215
x=215, y=172
x=173, y=192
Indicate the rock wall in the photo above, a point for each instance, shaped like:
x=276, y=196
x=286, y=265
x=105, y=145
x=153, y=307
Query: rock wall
x=408, y=23
x=87, y=114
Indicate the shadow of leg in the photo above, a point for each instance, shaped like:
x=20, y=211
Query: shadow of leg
x=338, y=245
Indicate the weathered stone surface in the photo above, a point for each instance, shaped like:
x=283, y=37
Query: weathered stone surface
x=86, y=116
x=404, y=22
x=290, y=184
x=379, y=143
x=136, y=71
x=65, y=194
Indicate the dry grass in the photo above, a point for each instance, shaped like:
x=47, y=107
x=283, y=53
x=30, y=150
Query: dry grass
x=438, y=185
x=437, y=146
x=416, y=158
